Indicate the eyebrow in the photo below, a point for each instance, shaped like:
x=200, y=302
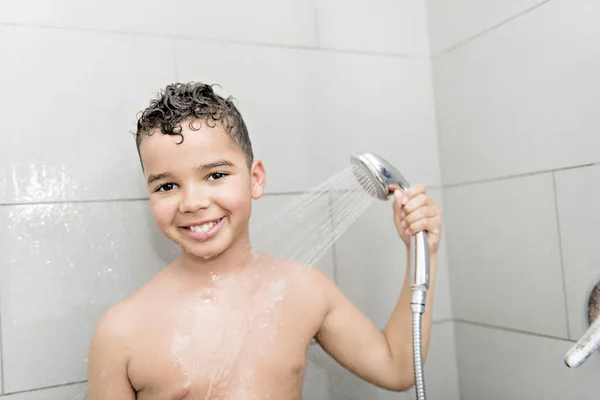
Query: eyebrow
x=216, y=164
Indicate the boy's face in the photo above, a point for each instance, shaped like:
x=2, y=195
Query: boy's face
x=200, y=190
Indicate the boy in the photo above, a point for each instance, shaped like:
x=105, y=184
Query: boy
x=223, y=321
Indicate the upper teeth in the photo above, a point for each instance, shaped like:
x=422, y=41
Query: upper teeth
x=203, y=228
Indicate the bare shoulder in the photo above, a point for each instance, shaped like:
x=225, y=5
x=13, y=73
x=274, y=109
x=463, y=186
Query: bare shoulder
x=119, y=321
x=308, y=278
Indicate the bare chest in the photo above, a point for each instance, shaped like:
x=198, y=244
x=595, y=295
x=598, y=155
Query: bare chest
x=208, y=351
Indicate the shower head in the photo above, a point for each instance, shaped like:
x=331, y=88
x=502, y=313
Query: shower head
x=376, y=175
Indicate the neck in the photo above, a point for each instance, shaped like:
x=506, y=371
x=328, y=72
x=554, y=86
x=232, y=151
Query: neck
x=234, y=259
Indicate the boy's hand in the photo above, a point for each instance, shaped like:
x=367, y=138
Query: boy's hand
x=415, y=211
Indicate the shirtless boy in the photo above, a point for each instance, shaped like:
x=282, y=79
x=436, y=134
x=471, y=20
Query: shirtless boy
x=224, y=321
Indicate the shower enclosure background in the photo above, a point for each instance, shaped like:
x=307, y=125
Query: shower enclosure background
x=515, y=111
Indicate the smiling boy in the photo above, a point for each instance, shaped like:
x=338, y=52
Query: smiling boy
x=224, y=321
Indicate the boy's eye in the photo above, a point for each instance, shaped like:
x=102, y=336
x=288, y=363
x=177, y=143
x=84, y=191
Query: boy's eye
x=165, y=187
x=216, y=176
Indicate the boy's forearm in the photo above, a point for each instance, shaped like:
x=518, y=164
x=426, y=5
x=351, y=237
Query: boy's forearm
x=398, y=330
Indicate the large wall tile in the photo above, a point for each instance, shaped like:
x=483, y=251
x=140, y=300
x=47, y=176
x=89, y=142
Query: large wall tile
x=382, y=26
x=307, y=111
x=578, y=192
x=283, y=22
x=452, y=22
x=280, y=222
x=504, y=254
x=371, y=258
x=63, y=265
x=70, y=392
x=523, y=97
x=327, y=380
x=498, y=365
x=72, y=100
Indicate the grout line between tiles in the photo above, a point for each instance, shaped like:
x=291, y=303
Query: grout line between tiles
x=118, y=200
x=46, y=387
x=490, y=29
x=220, y=40
x=37, y=203
x=512, y=330
x=560, y=252
x=515, y=176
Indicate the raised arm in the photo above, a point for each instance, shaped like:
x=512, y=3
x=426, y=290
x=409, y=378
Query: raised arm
x=107, y=365
x=384, y=357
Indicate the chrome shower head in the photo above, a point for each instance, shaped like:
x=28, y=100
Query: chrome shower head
x=376, y=175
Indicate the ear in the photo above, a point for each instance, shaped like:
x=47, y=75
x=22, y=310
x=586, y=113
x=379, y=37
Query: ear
x=259, y=179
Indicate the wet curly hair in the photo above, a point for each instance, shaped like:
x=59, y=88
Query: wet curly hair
x=193, y=101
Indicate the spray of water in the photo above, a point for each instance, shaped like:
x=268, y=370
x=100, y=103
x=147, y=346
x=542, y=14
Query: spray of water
x=302, y=232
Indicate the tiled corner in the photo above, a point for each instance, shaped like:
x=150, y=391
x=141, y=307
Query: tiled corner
x=77, y=144
x=501, y=117
x=371, y=265
x=68, y=392
x=308, y=110
x=279, y=223
x=451, y=23
x=281, y=22
x=496, y=364
x=504, y=254
x=63, y=265
x=578, y=192
x=325, y=379
x=388, y=27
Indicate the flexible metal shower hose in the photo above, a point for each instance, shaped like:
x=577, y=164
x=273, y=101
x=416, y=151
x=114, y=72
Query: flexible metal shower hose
x=417, y=357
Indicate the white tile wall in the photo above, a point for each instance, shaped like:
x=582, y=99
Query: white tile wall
x=326, y=380
x=578, y=194
x=282, y=22
x=504, y=254
x=453, y=22
x=70, y=392
x=308, y=110
x=63, y=265
x=371, y=258
x=72, y=98
x=523, y=97
x=498, y=365
x=382, y=26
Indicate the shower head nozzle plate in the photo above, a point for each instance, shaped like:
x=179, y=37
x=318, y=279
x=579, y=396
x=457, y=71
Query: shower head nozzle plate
x=378, y=174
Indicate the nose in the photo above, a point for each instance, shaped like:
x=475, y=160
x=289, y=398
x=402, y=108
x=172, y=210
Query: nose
x=193, y=200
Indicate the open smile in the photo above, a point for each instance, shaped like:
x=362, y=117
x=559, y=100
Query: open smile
x=204, y=230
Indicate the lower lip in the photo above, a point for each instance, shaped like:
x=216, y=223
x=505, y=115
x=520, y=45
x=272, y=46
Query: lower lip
x=204, y=235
